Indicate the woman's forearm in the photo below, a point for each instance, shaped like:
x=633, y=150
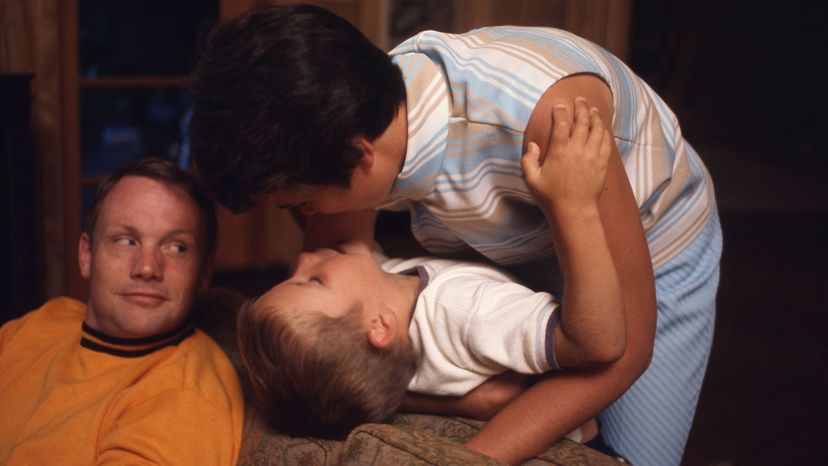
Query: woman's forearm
x=555, y=406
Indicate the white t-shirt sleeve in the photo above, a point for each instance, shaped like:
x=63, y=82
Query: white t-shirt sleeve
x=473, y=322
x=509, y=328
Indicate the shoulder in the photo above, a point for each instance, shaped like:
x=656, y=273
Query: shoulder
x=462, y=283
x=478, y=289
x=564, y=92
x=200, y=366
x=201, y=357
x=62, y=307
x=57, y=313
x=186, y=405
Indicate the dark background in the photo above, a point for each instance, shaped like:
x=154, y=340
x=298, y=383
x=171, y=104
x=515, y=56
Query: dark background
x=747, y=82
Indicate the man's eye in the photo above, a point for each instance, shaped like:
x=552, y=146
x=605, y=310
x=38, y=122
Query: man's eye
x=178, y=248
x=125, y=241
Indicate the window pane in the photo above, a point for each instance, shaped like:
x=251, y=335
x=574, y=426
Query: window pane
x=122, y=124
x=146, y=37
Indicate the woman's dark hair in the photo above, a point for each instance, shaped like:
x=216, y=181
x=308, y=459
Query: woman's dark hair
x=166, y=172
x=280, y=94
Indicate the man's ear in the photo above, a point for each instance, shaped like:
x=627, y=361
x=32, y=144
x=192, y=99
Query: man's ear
x=383, y=329
x=84, y=255
x=368, y=152
x=207, y=269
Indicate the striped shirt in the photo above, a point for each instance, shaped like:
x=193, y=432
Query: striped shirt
x=470, y=97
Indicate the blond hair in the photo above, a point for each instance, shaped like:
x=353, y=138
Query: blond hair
x=318, y=375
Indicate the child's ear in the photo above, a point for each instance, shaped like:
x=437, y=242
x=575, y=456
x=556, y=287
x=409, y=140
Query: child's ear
x=368, y=152
x=383, y=329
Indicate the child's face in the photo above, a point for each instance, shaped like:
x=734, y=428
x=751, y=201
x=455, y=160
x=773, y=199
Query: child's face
x=331, y=281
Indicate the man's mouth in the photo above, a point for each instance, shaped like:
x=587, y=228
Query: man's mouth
x=144, y=299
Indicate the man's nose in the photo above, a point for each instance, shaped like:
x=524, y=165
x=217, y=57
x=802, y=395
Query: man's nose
x=148, y=264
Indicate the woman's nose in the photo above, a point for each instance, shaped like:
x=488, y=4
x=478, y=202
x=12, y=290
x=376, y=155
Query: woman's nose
x=306, y=209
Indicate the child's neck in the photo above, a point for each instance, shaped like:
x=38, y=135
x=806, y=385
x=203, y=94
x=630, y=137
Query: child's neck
x=408, y=288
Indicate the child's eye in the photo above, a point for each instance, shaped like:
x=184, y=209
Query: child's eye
x=315, y=279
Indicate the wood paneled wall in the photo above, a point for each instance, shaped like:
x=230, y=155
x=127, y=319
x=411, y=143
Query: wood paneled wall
x=605, y=22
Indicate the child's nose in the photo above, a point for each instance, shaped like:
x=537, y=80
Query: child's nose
x=305, y=261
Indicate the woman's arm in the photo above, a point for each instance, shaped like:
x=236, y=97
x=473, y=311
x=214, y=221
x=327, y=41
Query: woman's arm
x=566, y=182
x=556, y=405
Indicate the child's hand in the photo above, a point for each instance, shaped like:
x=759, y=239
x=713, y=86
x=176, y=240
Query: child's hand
x=572, y=173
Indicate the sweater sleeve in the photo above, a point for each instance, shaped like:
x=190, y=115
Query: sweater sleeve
x=177, y=426
x=5, y=333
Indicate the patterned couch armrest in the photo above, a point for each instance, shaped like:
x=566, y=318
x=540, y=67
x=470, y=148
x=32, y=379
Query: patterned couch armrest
x=410, y=439
x=565, y=452
x=263, y=446
x=384, y=444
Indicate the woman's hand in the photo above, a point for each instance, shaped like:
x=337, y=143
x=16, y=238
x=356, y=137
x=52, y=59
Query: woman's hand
x=573, y=172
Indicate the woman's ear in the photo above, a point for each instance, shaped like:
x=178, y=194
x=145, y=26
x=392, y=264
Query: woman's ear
x=382, y=330
x=368, y=152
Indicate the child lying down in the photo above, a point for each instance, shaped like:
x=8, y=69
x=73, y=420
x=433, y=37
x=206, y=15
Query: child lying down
x=343, y=340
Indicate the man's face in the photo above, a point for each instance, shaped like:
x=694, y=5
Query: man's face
x=331, y=281
x=143, y=262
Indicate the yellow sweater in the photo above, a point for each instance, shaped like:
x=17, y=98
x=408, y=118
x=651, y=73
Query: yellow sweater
x=69, y=395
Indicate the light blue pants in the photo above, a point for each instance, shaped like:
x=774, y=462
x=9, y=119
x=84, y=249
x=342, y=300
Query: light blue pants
x=650, y=423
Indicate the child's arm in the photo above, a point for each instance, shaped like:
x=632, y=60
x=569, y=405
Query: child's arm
x=567, y=185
